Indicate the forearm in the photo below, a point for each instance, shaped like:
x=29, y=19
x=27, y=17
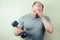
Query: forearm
x=48, y=25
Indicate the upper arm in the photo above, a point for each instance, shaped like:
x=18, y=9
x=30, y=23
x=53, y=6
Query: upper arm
x=48, y=19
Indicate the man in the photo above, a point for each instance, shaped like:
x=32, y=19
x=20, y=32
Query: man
x=35, y=23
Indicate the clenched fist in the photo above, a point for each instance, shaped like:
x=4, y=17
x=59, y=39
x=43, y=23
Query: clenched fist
x=17, y=31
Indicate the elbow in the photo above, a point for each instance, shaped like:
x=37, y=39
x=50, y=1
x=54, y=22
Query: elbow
x=50, y=30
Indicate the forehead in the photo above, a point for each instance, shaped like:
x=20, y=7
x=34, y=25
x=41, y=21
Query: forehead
x=38, y=3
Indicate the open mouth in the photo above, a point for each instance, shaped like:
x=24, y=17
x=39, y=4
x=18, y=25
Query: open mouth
x=37, y=16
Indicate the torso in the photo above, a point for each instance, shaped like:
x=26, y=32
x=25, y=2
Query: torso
x=34, y=27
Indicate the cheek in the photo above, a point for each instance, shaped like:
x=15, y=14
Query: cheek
x=34, y=14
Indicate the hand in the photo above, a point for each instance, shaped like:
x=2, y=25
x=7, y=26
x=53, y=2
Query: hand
x=40, y=14
x=17, y=31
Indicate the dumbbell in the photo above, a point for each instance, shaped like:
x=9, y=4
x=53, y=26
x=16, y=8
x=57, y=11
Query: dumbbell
x=22, y=34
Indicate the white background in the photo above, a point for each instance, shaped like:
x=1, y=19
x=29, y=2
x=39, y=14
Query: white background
x=11, y=10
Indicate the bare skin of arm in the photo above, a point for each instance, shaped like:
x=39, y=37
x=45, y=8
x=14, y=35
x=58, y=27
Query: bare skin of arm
x=48, y=25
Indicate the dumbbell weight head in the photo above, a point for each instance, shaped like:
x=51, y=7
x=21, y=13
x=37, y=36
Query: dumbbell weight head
x=14, y=24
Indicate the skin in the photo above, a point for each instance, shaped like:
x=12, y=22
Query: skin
x=37, y=9
x=18, y=30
